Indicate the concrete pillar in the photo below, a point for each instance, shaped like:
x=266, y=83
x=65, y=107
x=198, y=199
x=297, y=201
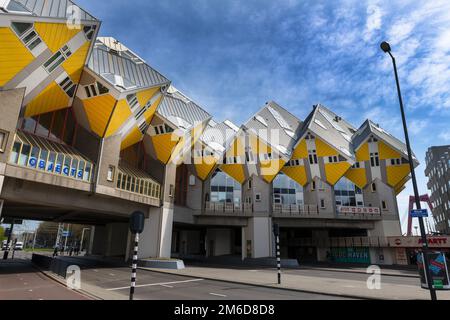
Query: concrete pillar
x=156, y=239
x=320, y=236
x=257, y=238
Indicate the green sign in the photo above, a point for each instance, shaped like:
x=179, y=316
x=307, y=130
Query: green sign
x=350, y=255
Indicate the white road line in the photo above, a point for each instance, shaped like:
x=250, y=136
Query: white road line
x=156, y=284
x=112, y=274
x=217, y=294
x=166, y=285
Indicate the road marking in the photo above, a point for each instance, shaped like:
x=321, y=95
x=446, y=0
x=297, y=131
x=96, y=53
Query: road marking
x=252, y=270
x=112, y=274
x=156, y=284
x=31, y=290
x=217, y=294
x=166, y=285
x=95, y=270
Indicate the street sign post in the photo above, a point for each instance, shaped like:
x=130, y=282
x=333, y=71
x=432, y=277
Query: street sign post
x=137, y=221
x=276, y=232
x=419, y=213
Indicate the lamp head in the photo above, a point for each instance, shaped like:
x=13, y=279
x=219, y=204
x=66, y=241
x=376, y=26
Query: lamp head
x=385, y=47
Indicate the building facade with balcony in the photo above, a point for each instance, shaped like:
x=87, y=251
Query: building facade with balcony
x=89, y=133
x=437, y=170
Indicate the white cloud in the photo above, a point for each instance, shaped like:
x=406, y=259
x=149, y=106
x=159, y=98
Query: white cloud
x=373, y=22
x=445, y=135
x=416, y=126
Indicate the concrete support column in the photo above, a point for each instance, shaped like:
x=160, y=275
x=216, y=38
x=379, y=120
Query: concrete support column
x=257, y=238
x=218, y=242
x=157, y=236
x=320, y=236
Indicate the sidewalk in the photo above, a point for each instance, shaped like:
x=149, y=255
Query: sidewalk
x=332, y=286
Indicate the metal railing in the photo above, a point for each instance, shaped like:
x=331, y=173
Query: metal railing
x=37, y=153
x=228, y=208
x=138, y=182
x=293, y=210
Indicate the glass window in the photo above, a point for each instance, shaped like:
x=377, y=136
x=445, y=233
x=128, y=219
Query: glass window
x=20, y=27
x=347, y=194
x=224, y=188
x=24, y=154
x=14, y=155
x=287, y=191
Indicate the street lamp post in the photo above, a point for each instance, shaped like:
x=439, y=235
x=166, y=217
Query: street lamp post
x=387, y=49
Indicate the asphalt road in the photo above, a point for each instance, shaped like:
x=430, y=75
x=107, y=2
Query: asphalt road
x=19, y=280
x=158, y=286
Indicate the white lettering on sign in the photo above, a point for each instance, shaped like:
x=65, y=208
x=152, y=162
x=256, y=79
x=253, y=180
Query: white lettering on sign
x=416, y=242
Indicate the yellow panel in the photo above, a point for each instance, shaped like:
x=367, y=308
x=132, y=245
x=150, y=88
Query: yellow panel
x=75, y=64
x=324, y=150
x=132, y=138
x=335, y=171
x=401, y=185
x=121, y=113
x=205, y=166
x=236, y=148
x=148, y=115
x=55, y=35
x=98, y=111
x=386, y=152
x=270, y=169
x=163, y=146
x=363, y=153
x=236, y=171
x=145, y=95
x=357, y=176
x=51, y=99
x=14, y=56
x=395, y=174
x=297, y=174
x=301, y=151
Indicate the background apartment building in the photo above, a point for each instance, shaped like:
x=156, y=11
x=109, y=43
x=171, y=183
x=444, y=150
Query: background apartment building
x=438, y=172
x=90, y=132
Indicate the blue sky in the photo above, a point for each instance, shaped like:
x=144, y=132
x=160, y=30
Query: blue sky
x=232, y=56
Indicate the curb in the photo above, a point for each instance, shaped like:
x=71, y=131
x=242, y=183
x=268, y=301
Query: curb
x=61, y=282
x=362, y=272
x=267, y=286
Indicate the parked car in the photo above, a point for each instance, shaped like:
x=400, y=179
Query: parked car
x=18, y=246
x=5, y=245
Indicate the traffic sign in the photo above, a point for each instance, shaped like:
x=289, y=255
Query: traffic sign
x=66, y=233
x=419, y=213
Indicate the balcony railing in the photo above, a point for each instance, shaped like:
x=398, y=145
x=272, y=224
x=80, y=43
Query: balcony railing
x=228, y=208
x=293, y=210
x=136, y=181
x=40, y=154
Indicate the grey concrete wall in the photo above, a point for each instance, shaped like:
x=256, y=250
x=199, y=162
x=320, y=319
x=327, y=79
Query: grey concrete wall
x=194, y=194
x=218, y=242
x=110, y=157
x=99, y=241
x=10, y=105
x=262, y=207
x=117, y=234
